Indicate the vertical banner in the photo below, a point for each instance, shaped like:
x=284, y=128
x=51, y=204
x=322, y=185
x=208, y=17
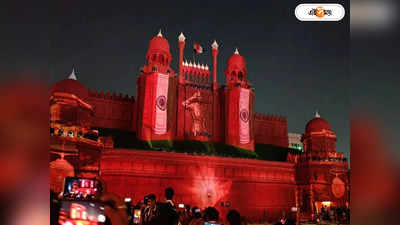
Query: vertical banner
x=244, y=124
x=160, y=126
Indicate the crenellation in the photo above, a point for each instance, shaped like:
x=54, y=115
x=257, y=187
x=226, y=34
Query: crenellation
x=270, y=117
x=110, y=96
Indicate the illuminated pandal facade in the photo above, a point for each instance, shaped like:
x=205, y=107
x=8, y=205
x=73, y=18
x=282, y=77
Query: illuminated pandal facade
x=189, y=105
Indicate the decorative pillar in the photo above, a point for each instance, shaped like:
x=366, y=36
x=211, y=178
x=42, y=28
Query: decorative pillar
x=181, y=43
x=215, y=54
x=180, y=122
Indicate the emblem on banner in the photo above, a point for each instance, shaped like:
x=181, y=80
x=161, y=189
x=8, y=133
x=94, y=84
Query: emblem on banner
x=244, y=115
x=161, y=102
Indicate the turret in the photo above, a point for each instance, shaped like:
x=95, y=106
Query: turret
x=158, y=56
x=236, y=72
x=181, y=44
x=214, y=55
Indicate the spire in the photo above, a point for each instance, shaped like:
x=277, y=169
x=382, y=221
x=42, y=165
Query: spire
x=214, y=45
x=159, y=34
x=317, y=114
x=181, y=37
x=72, y=76
x=236, y=51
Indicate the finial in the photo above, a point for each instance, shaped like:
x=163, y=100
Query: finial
x=181, y=37
x=202, y=67
x=236, y=51
x=317, y=114
x=159, y=34
x=214, y=45
x=206, y=67
x=190, y=64
x=195, y=65
x=72, y=76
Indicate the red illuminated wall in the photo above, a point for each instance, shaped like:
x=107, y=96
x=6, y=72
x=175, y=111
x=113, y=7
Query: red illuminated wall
x=271, y=130
x=256, y=188
x=111, y=110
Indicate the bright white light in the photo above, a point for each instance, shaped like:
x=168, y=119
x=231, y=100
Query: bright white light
x=101, y=218
x=327, y=203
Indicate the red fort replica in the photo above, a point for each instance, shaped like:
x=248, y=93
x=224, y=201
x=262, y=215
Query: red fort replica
x=96, y=134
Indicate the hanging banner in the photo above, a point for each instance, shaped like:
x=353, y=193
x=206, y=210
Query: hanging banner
x=160, y=126
x=244, y=125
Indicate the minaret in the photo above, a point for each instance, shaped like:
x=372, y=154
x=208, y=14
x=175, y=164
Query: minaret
x=181, y=43
x=154, y=110
x=215, y=54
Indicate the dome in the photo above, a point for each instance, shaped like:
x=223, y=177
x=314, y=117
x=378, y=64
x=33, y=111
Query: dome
x=59, y=169
x=317, y=124
x=158, y=43
x=237, y=59
x=71, y=86
x=63, y=165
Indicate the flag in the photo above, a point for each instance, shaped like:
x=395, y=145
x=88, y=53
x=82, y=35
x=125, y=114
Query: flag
x=197, y=48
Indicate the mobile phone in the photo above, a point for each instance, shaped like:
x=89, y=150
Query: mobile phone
x=181, y=206
x=136, y=216
x=76, y=188
x=73, y=212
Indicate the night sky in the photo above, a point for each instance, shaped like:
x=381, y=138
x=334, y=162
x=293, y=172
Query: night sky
x=296, y=67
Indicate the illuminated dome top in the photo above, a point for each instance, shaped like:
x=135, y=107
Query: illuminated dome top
x=59, y=169
x=70, y=85
x=317, y=124
x=237, y=60
x=62, y=164
x=158, y=43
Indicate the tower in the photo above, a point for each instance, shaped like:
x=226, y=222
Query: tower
x=155, y=93
x=239, y=99
x=321, y=171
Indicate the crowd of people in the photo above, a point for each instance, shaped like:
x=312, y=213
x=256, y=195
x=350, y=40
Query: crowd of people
x=333, y=214
x=150, y=212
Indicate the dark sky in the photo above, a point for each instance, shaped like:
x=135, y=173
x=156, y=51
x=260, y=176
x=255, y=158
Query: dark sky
x=296, y=67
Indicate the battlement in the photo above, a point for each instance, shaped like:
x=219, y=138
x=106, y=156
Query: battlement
x=196, y=73
x=270, y=117
x=110, y=96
